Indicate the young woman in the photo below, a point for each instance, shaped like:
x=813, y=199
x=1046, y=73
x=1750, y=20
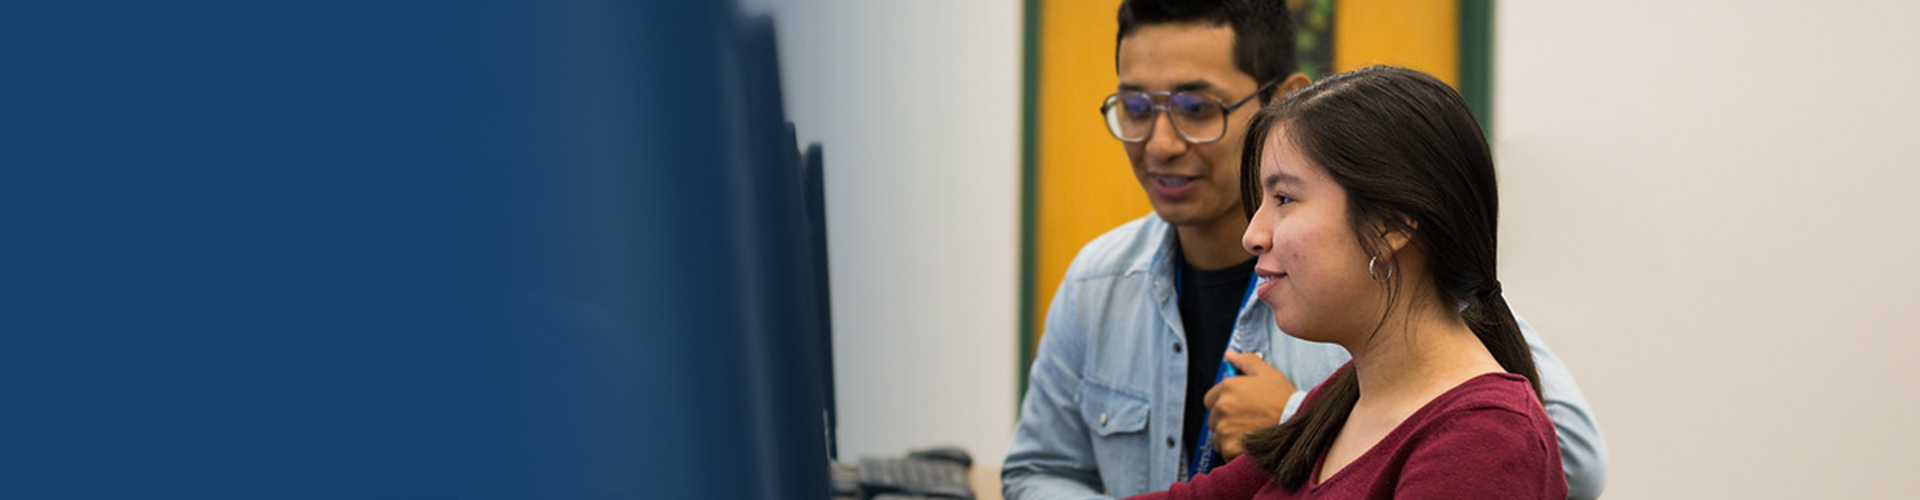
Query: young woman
x=1375, y=230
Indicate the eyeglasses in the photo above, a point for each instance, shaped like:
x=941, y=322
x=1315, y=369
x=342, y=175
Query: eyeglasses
x=1199, y=118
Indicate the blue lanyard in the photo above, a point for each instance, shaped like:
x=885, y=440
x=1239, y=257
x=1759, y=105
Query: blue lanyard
x=1203, y=452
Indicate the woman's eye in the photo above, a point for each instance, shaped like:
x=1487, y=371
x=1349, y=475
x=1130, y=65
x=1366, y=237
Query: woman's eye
x=1282, y=199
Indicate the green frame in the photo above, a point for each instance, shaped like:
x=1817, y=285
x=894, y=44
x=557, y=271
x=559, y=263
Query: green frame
x=1029, y=191
x=1476, y=60
x=1476, y=85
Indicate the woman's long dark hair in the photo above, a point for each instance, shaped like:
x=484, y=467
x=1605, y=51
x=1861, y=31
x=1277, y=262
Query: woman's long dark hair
x=1412, y=159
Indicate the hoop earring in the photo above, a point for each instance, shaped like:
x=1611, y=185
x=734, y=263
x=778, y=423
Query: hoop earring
x=1372, y=264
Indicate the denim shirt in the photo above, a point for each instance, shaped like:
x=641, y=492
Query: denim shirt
x=1105, y=397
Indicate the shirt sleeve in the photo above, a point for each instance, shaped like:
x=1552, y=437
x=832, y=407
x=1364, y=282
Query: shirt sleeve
x=1293, y=405
x=1482, y=454
x=1583, y=451
x=1052, y=456
x=1240, y=479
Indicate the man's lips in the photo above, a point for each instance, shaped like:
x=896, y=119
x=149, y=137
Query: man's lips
x=1174, y=186
x=1173, y=181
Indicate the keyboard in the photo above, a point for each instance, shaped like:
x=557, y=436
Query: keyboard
x=914, y=477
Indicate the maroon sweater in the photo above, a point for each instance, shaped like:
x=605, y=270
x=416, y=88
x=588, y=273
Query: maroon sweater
x=1488, y=438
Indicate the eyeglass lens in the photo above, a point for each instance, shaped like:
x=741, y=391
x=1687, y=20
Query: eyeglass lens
x=1197, y=117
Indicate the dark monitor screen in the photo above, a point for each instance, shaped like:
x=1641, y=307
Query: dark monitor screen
x=490, y=249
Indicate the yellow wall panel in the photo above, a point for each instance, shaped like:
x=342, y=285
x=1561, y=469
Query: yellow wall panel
x=1419, y=34
x=1085, y=185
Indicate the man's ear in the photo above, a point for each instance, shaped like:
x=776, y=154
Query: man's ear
x=1293, y=82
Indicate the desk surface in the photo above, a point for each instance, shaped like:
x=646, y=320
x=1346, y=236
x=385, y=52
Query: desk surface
x=986, y=481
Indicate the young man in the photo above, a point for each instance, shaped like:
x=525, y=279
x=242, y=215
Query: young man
x=1126, y=395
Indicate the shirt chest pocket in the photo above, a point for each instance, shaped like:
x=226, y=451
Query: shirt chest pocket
x=1111, y=412
x=1118, y=424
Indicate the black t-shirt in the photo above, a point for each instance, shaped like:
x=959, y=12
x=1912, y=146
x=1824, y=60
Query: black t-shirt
x=1209, y=304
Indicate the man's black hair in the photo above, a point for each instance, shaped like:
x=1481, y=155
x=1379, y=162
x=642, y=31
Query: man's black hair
x=1262, y=31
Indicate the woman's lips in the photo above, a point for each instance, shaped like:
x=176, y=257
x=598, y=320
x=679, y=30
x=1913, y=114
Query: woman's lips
x=1266, y=285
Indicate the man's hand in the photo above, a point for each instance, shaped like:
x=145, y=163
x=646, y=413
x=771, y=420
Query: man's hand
x=1246, y=403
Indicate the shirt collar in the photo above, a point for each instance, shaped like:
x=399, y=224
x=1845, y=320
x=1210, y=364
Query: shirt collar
x=1159, y=262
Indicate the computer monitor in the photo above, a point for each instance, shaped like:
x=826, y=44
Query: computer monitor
x=813, y=174
x=326, y=249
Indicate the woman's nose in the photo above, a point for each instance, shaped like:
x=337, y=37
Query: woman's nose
x=1255, y=240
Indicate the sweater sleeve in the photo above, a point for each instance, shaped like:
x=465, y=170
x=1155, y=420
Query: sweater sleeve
x=1484, y=453
x=1240, y=479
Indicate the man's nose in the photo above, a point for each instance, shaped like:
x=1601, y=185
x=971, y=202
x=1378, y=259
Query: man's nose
x=1164, y=141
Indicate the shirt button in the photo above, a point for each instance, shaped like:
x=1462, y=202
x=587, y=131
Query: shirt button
x=1176, y=348
x=1103, y=419
x=1169, y=441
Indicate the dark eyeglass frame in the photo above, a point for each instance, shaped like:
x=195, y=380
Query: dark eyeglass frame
x=1161, y=99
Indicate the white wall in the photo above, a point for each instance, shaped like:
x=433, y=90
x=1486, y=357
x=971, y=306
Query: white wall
x=918, y=106
x=1709, y=213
